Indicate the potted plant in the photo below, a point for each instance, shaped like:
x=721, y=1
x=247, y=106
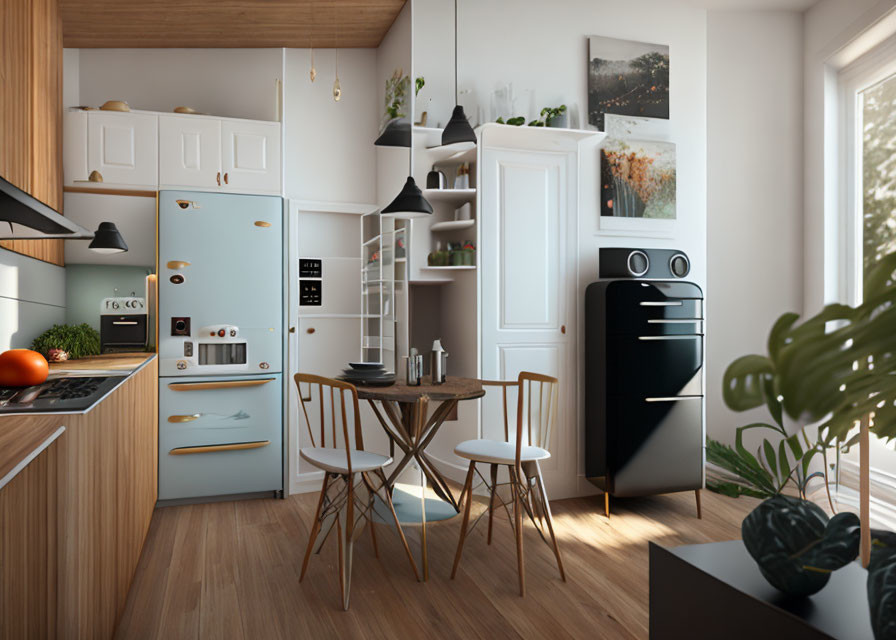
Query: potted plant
x=63, y=342
x=557, y=117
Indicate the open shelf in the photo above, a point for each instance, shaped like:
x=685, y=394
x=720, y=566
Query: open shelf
x=452, y=225
x=452, y=268
x=455, y=196
x=457, y=152
x=430, y=282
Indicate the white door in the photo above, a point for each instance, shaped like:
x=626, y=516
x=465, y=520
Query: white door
x=527, y=258
x=123, y=148
x=251, y=156
x=189, y=152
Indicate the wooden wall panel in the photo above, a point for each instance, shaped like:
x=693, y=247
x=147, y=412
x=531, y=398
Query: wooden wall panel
x=27, y=550
x=31, y=110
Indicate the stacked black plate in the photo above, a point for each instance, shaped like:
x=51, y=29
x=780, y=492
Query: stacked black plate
x=371, y=374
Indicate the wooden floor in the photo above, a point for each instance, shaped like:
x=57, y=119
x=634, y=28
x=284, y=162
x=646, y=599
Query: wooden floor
x=231, y=570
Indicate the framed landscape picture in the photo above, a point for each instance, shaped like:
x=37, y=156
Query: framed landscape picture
x=628, y=78
x=638, y=179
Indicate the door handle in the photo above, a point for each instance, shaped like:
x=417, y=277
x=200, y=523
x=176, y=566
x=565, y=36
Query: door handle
x=124, y=322
x=226, y=181
x=218, y=178
x=239, y=446
x=292, y=329
x=680, y=337
x=563, y=329
x=310, y=330
x=222, y=384
x=179, y=419
x=177, y=264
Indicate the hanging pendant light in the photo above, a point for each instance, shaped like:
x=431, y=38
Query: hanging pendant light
x=458, y=128
x=337, y=88
x=396, y=134
x=409, y=203
x=313, y=72
x=107, y=239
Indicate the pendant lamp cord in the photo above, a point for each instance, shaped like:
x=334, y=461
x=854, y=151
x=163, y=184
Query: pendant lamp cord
x=456, y=92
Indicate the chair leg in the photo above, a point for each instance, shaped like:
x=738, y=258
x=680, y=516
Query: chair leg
x=546, y=509
x=607, y=504
x=518, y=529
x=491, y=499
x=315, y=527
x=370, y=523
x=346, y=541
x=404, y=541
x=467, y=494
x=699, y=506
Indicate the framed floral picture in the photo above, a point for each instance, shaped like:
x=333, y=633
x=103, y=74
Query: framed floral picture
x=638, y=179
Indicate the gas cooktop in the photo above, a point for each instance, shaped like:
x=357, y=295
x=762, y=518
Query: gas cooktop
x=62, y=395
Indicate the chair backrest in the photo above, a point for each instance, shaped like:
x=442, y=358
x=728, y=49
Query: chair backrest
x=333, y=433
x=536, y=408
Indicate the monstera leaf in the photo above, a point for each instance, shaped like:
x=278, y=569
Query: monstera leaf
x=882, y=585
x=796, y=546
x=833, y=368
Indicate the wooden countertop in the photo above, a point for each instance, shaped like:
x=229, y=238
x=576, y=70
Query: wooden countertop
x=108, y=362
x=24, y=436
x=22, y=439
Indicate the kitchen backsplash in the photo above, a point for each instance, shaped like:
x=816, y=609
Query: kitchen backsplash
x=32, y=299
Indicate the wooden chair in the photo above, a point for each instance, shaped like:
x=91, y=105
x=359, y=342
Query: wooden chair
x=352, y=477
x=536, y=413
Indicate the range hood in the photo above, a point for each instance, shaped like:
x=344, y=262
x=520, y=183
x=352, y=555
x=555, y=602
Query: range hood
x=24, y=217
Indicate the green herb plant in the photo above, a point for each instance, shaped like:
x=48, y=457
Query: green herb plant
x=77, y=340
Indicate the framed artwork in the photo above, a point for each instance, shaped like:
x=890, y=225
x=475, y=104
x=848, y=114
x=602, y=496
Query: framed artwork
x=638, y=179
x=627, y=78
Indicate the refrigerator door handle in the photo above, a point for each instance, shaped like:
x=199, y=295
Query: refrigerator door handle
x=218, y=384
x=672, y=398
x=239, y=446
x=674, y=337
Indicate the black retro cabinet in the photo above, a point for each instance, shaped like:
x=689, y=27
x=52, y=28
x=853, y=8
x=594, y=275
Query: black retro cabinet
x=644, y=401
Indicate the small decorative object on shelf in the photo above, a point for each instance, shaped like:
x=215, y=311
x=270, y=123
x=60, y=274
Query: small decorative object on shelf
x=438, y=258
x=462, y=179
x=462, y=255
x=557, y=117
x=400, y=248
x=436, y=179
x=796, y=546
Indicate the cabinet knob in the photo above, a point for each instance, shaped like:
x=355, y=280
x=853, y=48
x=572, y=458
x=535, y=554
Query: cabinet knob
x=292, y=329
x=218, y=178
x=226, y=181
x=563, y=329
x=310, y=330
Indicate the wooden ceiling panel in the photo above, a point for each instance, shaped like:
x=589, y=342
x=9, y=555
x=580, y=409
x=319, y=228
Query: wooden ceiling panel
x=226, y=23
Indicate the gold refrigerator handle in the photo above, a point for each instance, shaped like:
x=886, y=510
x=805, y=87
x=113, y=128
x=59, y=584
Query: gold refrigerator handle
x=239, y=446
x=177, y=419
x=221, y=384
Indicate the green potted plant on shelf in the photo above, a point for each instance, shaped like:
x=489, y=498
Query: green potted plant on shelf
x=557, y=117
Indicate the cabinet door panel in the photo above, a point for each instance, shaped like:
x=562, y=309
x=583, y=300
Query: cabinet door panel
x=189, y=151
x=123, y=147
x=251, y=156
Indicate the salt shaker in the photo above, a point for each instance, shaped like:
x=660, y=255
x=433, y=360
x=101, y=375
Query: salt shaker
x=438, y=362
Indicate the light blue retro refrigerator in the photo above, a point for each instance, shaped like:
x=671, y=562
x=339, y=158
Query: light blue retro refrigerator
x=220, y=344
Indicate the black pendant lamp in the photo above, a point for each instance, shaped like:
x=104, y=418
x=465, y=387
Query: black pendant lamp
x=409, y=203
x=107, y=239
x=458, y=128
x=396, y=134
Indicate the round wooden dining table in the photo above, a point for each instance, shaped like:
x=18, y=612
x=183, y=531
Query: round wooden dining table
x=406, y=415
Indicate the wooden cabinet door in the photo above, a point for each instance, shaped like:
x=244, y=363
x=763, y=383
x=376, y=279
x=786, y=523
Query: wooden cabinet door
x=528, y=275
x=123, y=147
x=189, y=152
x=251, y=156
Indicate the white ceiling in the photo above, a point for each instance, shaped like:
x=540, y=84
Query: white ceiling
x=780, y=5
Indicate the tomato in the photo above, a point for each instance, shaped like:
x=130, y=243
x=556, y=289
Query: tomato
x=22, y=368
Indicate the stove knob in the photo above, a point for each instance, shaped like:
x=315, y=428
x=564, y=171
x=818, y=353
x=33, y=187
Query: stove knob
x=233, y=333
x=181, y=365
x=264, y=365
x=221, y=333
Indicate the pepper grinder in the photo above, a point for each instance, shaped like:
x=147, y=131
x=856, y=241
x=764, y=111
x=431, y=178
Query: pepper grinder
x=438, y=362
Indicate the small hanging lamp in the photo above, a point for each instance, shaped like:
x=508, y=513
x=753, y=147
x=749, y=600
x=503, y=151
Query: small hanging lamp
x=107, y=239
x=313, y=72
x=337, y=89
x=458, y=128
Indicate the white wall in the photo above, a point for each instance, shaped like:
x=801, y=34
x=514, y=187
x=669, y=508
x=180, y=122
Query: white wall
x=328, y=149
x=434, y=59
x=754, y=191
x=32, y=299
x=237, y=83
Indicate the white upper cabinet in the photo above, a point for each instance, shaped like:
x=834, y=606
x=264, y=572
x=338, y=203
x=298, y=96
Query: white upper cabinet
x=189, y=152
x=123, y=148
x=251, y=156
x=142, y=149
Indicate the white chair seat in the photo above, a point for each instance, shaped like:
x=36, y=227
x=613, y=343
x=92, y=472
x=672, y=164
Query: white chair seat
x=334, y=460
x=496, y=452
